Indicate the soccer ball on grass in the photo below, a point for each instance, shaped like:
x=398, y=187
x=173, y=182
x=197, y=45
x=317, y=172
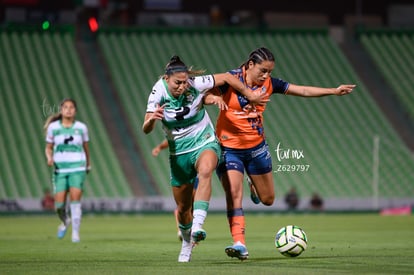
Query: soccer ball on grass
x=291, y=241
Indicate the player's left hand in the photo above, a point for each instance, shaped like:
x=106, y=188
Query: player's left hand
x=345, y=89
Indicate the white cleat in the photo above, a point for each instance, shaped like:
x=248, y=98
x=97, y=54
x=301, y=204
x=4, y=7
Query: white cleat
x=185, y=253
x=75, y=237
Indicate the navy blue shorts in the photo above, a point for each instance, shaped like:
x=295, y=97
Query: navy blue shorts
x=256, y=160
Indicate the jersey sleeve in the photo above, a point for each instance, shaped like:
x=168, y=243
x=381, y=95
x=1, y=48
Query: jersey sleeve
x=203, y=83
x=154, y=98
x=85, y=133
x=279, y=86
x=223, y=88
x=49, y=134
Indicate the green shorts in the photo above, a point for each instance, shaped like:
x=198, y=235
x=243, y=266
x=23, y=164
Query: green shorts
x=183, y=166
x=64, y=181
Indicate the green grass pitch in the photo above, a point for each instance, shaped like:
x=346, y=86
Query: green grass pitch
x=148, y=244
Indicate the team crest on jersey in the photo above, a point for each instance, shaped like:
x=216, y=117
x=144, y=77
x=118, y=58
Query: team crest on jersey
x=189, y=97
x=263, y=89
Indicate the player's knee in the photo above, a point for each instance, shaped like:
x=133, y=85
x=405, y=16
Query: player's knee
x=268, y=200
x=205, y=172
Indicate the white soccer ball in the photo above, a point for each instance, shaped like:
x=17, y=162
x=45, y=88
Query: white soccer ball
x=291, y=241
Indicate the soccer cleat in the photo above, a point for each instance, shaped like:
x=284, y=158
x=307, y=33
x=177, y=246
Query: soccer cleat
x=75, y=237
x=253, y=194
x=198, y=235
x=185, y=253
x=61, y=231
x=62, y=228
x=237, y=250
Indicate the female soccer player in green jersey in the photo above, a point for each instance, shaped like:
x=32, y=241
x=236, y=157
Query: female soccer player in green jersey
x=68, y=151
x=176, y=100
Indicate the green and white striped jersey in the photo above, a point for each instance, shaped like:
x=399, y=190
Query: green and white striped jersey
x=68, y=153
x=186, y=123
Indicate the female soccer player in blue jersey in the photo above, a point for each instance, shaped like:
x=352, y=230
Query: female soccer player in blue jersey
x=68, y=151
x=176, y=100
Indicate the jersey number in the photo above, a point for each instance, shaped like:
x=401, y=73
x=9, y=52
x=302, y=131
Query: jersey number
x=181, y=112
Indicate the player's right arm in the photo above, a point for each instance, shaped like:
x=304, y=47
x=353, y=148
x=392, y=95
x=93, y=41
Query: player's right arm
x=154, y=111
x=151, y=118
x=49, y=153
x=49, y=145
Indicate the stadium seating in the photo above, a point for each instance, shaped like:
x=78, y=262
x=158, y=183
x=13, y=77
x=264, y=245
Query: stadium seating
x=393, y=53
x=335, y=134
x=328, y=142
x=38, y=71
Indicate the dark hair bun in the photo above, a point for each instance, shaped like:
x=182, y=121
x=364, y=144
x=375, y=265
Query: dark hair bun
x=174, y=59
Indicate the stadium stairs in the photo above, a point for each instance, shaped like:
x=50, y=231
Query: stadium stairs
x=368, y=62
x=393, y=53
x=120, y=132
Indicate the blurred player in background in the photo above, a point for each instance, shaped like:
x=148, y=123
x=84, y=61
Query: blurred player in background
x=292, y=198
x=176, y=100
x=316, y=202
x=48, y=201
x=67, y=150
x=241, y=134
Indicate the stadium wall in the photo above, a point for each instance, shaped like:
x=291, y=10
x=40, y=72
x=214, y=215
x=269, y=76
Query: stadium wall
x=167, y=204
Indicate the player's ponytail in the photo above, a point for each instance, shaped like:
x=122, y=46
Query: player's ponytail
x=51, y=119
x=176, y=65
